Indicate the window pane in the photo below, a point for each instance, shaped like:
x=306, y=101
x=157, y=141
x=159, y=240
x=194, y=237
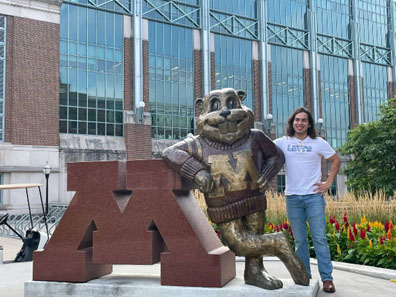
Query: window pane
x=171, y=63
x=92, y=45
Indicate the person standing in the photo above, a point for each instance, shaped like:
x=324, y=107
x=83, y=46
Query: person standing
x=304, y=190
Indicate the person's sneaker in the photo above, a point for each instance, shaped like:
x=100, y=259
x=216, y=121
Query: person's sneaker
x=328, y=286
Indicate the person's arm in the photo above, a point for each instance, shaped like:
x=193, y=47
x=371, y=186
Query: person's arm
x=335, y=167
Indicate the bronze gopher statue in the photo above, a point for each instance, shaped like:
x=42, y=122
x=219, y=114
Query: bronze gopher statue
x=232, y=165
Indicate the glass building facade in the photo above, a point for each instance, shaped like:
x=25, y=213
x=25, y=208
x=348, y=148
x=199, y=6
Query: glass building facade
x=171, y=82
x=91, y=71
x=336, y=57
x=347, y=46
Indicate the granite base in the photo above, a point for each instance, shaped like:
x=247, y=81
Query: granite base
x=145, y=285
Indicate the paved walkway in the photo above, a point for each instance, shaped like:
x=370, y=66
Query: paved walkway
x=350, y=280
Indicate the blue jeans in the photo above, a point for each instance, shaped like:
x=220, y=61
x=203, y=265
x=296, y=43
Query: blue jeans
x=311, y=208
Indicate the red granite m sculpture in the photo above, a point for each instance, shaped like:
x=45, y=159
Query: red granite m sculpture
x=138, y=212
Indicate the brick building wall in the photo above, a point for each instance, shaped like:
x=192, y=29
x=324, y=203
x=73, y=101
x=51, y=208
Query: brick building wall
x=212, y=71
x=128, y=74
x=362, y=102
x=146, y=98
x=270, y=104
x=319, y=96
x=137, y=135
x=32, y=82
x=257, y=108
x=352, y=101
x=391, y=92
x=307, y=88
x=198, y=74
x=138, y=141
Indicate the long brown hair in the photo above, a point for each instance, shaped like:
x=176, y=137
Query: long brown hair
x=311, y=130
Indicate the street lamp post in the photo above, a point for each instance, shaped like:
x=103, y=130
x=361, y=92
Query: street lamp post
x=268, y=122
x=47, y=171
x=320, y=125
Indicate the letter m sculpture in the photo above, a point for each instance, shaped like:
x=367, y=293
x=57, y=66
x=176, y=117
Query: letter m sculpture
x=134, y=212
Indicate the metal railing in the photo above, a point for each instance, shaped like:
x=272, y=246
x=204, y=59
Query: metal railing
x=22, y=222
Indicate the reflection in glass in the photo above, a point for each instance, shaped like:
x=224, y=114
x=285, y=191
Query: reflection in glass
x=375, y=89
x=372, y=18
x=233, y=62
x=91, y=41
x=287, y=84
x=333, y=17
x=287, y=12
x=170, y=80
x=335, y=98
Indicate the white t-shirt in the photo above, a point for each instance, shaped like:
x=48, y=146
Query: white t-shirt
x=303, y=162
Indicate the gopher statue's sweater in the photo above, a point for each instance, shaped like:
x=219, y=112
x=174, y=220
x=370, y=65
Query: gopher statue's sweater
x=234, y=168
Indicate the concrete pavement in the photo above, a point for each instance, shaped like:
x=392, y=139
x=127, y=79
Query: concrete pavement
x=350, y=280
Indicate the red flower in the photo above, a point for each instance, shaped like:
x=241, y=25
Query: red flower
x=381, y=240
x=386, y=226
x=345, y=218
x=354, y=229
x=351, y=237
x=277, y=228
x=337, y=226
x=285, y=226
x=362, y=233
x=368, y=228
x=389, y=234
x=390, y=226
x=332, y=219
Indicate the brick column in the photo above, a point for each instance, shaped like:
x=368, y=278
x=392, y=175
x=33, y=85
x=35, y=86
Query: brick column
x=270, y=104
x=307, y=89
x=146, y=98
x=137, y=135
x=391, y=92
x=257, y=108
x=138, y=141
x=212, y=71
x=32, y=82
x=198, y=87
x=319, y=96
x=128, y=74
x=352, y=101
x=363, y=107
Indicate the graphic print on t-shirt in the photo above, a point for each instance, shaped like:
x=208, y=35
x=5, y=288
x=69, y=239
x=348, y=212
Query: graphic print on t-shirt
x=300, y=148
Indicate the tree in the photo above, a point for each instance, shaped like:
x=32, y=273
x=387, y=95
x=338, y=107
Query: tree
x=373, y=150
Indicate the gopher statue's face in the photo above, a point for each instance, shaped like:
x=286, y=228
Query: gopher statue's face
x=223, y=118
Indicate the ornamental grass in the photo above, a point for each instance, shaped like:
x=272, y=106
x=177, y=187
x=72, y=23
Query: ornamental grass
x=373, y=207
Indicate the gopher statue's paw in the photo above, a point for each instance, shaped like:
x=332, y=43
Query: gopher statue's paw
x=256, y=275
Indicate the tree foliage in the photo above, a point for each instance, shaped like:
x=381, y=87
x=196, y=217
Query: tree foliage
x=373, y=150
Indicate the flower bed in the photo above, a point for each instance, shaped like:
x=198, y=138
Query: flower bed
x=367, y=243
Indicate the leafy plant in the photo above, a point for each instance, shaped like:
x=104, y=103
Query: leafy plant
x=372, y=146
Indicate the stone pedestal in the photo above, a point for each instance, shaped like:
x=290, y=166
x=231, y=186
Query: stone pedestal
x=143, y=285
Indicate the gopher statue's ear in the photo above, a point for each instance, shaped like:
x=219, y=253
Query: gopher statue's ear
x=241, y=95
x=199, y=105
